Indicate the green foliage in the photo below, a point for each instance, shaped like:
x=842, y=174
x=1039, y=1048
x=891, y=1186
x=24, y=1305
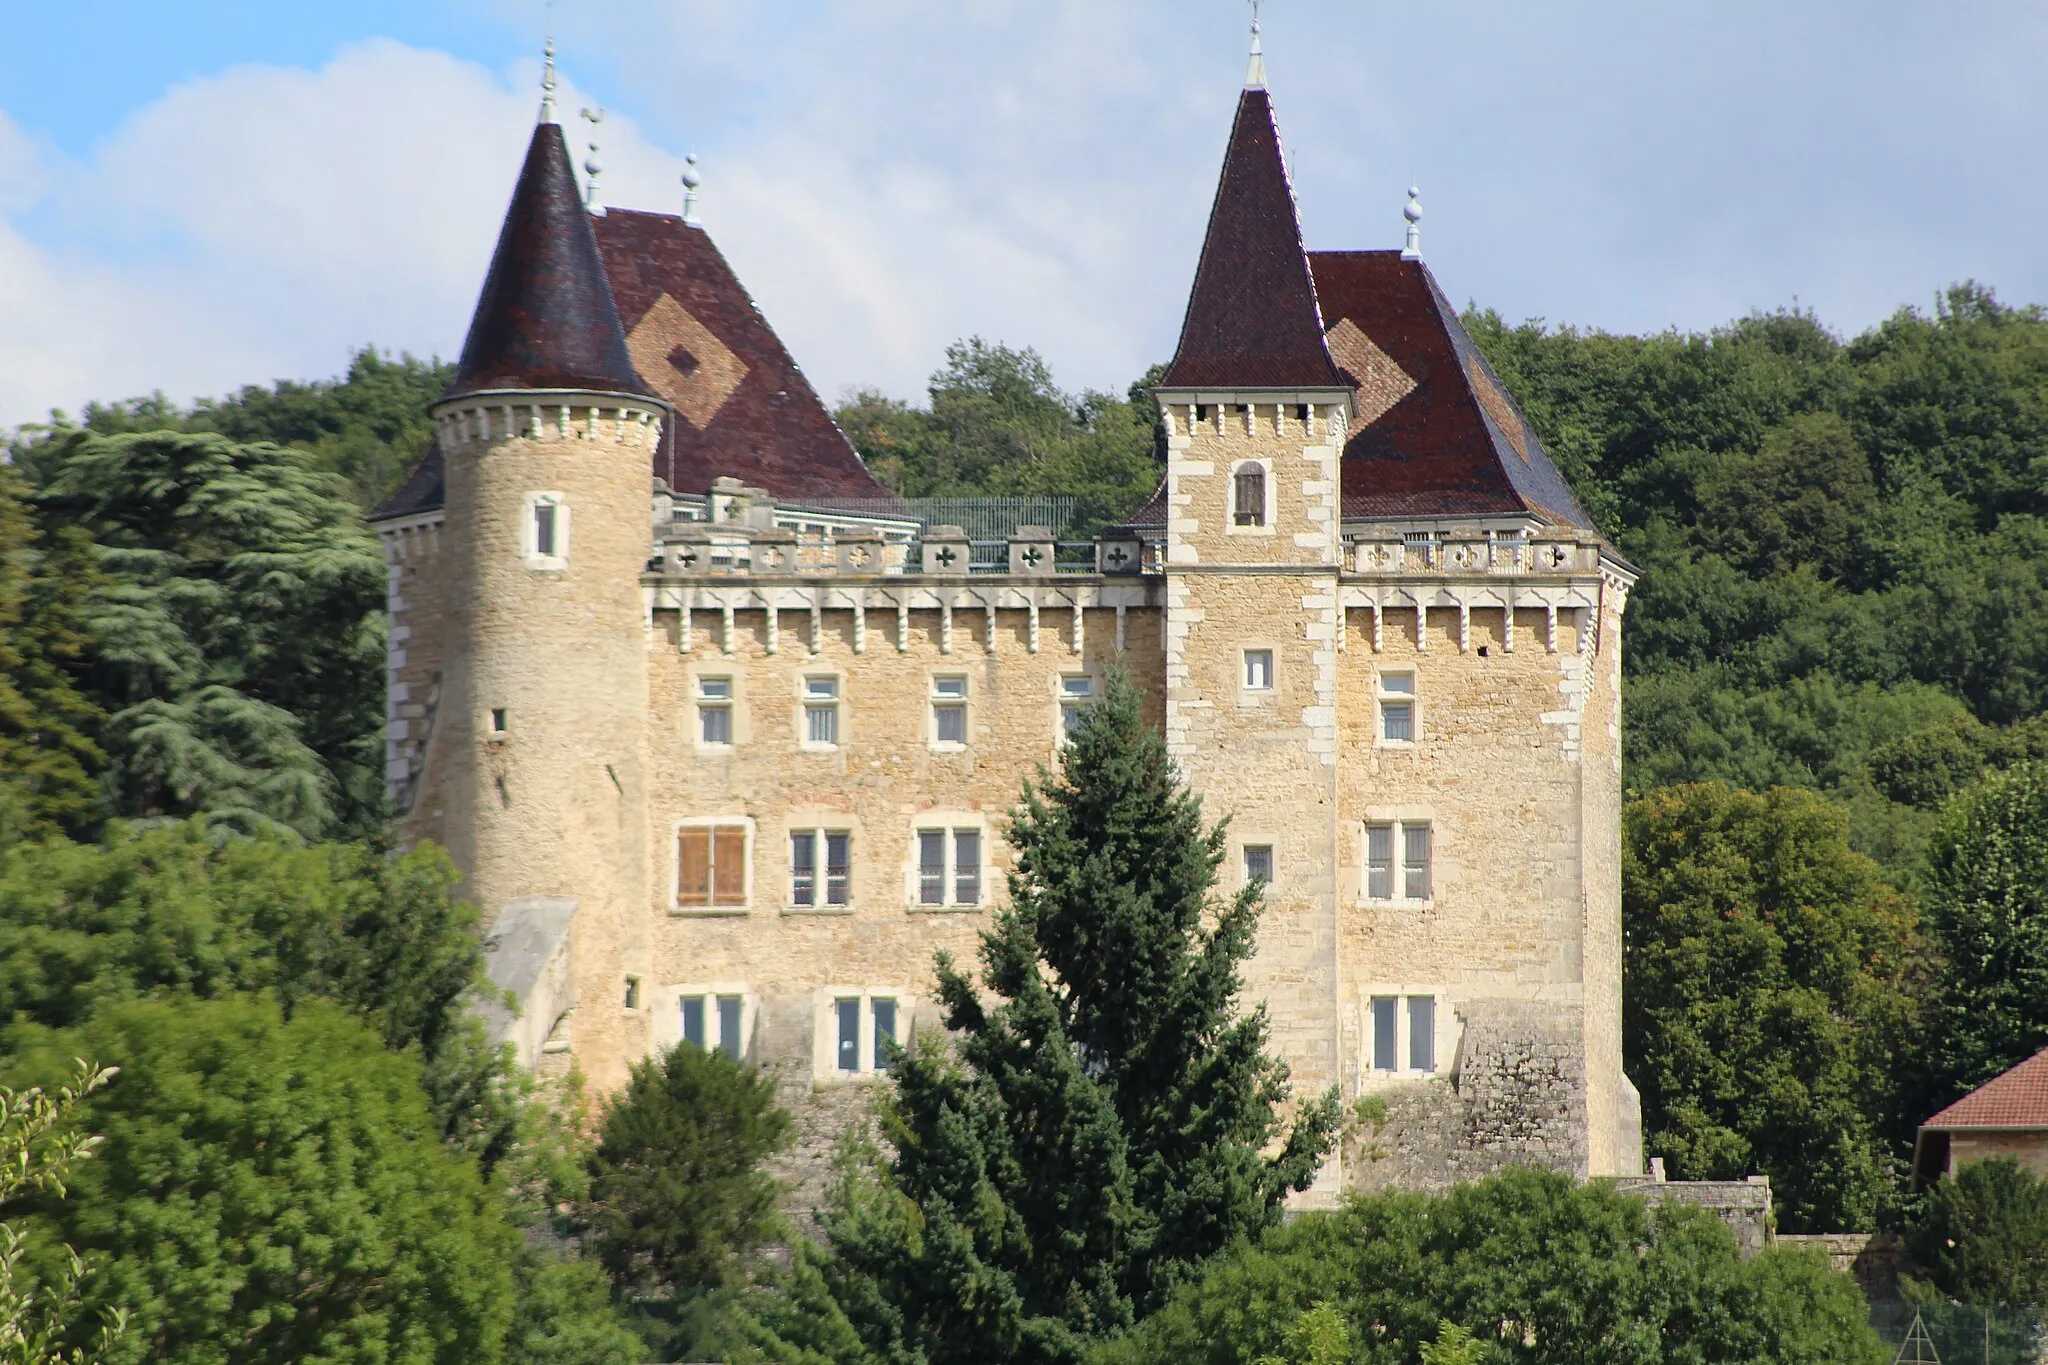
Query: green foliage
x=37, y=1146
x=170, y=911
x=1980, y=1236
x=1096, y=1130
x=368, y=427
x=274, y=1189
x=1765, y=996
x=1839, y=542
x=238, y=643
x=997, y=425
x=49, y=756
x=677, y=1192
x=1320, y=1336
x=563, y=1315
x=1454, y=1345
x=1540, y=1270
x=1987, y=914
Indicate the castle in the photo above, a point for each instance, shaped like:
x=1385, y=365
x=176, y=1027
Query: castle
x=722, y=734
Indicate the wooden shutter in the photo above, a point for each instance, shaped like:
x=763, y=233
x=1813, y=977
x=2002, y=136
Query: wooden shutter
x=693, y=862
x=729, y=865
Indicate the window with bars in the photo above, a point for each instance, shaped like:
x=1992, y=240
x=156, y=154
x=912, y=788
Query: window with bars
x=711, y=865
x=821, y=712
x=820, y=866
x=1258, y=864
x=1397, y=707
x=1411, y=873
x=949, y=867
x=714, y=711
x=1250, y=497
x=949, y=710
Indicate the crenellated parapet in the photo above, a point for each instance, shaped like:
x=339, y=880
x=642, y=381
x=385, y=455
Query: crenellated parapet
x=475, y=421
x=1570, y=575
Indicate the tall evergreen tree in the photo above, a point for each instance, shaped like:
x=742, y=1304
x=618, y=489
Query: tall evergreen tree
x=1099, y=1127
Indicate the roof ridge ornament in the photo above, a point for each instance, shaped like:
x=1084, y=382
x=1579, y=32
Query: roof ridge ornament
x=1413, y=213
x=1255, y=70
x=692, y=178
x=591, y=166
x=547, y=82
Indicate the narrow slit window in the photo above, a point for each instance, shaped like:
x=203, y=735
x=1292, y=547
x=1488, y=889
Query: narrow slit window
x=821, y=711
x=949, y=710
x=499, y=723
x=1397, y=707
x=714, y=710
x=632, y=993
x=1251, y=495
x=1386, y=1035
x=544, y=529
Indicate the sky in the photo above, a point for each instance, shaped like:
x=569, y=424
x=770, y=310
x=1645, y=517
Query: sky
x=201, y=195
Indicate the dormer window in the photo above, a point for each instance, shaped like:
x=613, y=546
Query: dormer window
x=1250, y=495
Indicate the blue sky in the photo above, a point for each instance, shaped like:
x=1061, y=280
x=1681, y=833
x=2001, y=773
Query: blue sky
x=200, y=195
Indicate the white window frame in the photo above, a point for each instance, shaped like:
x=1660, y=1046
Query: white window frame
x=806, y=701
x=964, y=701
x=820, y=889
x=730, y=704
x=825, y=1031
x=1382, y=694
x=1264, y=526
x=1245, y=658
x=667, y=1023
x=529, y=536
x=1398, y=823
x=951, y=825
x=1445, y=1032
x=1244, y=858
x=675, y=865
x=1062, y=700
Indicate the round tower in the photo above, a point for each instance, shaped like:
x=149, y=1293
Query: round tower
x=547, y=435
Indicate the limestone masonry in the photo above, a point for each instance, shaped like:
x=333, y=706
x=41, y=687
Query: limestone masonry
x=723, y=734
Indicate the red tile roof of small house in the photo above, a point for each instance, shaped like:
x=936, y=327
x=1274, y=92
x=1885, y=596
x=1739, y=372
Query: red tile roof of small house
x=2016, y=1099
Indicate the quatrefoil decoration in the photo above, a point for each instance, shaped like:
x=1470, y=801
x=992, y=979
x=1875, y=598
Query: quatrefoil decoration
x=859, y=555
x=1117, y=556
x=687, y=558
x=945, y=556
x=1033, y=555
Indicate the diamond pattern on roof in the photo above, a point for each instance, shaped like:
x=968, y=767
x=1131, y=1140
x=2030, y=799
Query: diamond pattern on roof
x=684, y=361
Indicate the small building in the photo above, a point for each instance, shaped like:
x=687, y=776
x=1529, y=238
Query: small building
x=2006, y=1116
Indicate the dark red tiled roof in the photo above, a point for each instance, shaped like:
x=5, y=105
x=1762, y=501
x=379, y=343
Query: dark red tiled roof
x=2016, y=1099
x=545, y=319
x=742, y=407
x=1252, y=321
x=1435, y=433
x=422, y=490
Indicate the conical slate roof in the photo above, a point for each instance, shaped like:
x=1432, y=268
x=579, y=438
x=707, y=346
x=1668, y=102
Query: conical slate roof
x=546, y=319
x=1252, y=320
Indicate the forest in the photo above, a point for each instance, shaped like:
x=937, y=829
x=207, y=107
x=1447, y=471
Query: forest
x=1835, y=855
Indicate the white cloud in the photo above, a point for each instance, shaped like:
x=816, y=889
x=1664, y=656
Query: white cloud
x=888, y=175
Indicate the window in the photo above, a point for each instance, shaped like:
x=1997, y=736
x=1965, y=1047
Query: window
x=1250, y=484
x=715, y=1019
x=884, y=1013
x=1258, y=864
x=848, y=1018
x=821, y=711
x=1075, y=696
x=714, y=711
x=805, y=846
x=854, y=1030
x=949, y=710
x=499, y=723
x=1258, y=670
x=1415, y=862
x=711, y=865
x=1397, y=708
x=544, y=532
x=949, y=860
x=1422, y=1033
x=1404, y=1034
x=632, y=1001
x=1413, y=839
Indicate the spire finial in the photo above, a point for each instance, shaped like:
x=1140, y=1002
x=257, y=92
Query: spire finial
x=1255, y=72
x=591, y=166
x=1413, y=213
x=547, y=82
x=692, y=178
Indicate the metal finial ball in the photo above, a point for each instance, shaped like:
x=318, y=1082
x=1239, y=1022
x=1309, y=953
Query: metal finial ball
x=1413, y=213
x=590, y=166
x=691, y=179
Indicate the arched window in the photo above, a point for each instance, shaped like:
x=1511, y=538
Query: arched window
x=1251, y=495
